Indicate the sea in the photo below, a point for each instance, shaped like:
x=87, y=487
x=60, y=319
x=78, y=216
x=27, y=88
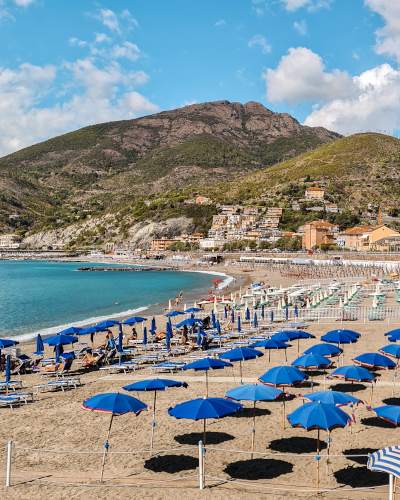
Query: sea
x=46, y=297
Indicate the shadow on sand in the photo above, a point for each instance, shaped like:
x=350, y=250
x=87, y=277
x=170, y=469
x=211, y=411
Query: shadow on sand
x=258, y=468
x=193, y=438
x=297, y=444
x=171, y=463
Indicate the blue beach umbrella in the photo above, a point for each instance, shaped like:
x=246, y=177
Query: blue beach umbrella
x=374, y=361
x=204, y=408
x=253, y=392
x=390, y=413
x=239, y=327
x=262, y=311
x=272, y=316
x=120, y=339
x=331, y=397
x=270, y=344
x=225, y=312
x=168, y=336
x=192, y=309
x=311, y=362
x=207, y=364
x=198, y=339
x=133, y=320
x=154, y=385
x=39, y=345
x=283, y=376
x=213, y=319
x=145, y=337
x=57, y=353
x=393, y=333
x=108, y=323
x=218, y=328
x=327, y=350
x=189, y=322
x=352, y=374
x=153, y=326
x=338, y=338
x=286, y=312
x=73, y=330
x=247, y=314
x=241, y=354
x=255, y=321
x=233, y=317
x=115, y=404
x=173, y=313
x=7, y=343
x=319, y=416
x=60, y=340
x=91, y=329
x=391, y=350
x=8, y=371
x=295, y=309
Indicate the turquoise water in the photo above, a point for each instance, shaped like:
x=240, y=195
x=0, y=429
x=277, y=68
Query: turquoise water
x=40, y=296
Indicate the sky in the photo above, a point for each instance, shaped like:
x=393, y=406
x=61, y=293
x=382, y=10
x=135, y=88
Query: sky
x=66, y=64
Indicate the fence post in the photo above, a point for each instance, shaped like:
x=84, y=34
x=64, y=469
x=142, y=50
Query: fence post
x=201, y=465
x=8, y=476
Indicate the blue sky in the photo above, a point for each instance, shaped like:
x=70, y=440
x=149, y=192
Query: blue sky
x=65, y=64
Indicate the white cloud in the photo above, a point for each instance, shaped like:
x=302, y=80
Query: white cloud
x=5, y=14
x=355, y=55
x=188, y=103
x=23, y=3
x=374, y=106
x=258, y=11
x=109, y=19
x=219, y=23
x=98, y=95
x=127, y=15
x=75, y=41
x=388, y=37
x=262, y=42
x=128, y=50
x=301, y=76
x=312, y=5
x=101, y=37
x=300, y=27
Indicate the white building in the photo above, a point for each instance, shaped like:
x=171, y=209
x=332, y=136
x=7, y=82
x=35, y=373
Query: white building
x=212, y=243
x=10, y=241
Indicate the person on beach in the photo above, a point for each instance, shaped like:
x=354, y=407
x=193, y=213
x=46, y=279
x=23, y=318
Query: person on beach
x=184, y=335
x=57, y=367
x=103, y=345
x=132, y=337
x=180, y=295
x=89, y=358
x=176, y=301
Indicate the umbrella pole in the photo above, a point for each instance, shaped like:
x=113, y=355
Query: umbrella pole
x=394, y=383
x=106, y=449
x=298, y=346
x=327, y=453
x=283, y=412
x=269, y=358
x=324, y=380
x=153, y=424
x=253, y=430
x=317, y=463
x=241, y=374
x=206, y=383
x=204, y=433
x=351, y=387
x=370, y=395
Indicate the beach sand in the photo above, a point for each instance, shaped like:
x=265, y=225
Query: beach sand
x=56, y=421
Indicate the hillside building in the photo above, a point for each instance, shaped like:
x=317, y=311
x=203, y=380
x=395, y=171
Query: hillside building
x=315, y=193
x=202, y=200
x=372, y=234
x=251, y=210
x=274, y=211
x=10, y=241
x=319, y=233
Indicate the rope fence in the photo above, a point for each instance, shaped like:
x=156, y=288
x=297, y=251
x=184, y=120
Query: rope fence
x=201, y=475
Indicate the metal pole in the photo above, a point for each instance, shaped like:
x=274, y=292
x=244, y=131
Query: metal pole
x=8, y=476
x=201, y=469
x=106, y=449
x=391, y=477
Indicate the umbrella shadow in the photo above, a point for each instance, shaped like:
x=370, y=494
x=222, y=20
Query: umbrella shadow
x=391, y=401
x=248, y=413
x=258, y=468
x=358, y=477
x=377, y=422
x=171, y=463
x=193, y=438
x=297, y=444
x=346, y=387
x=359, y=451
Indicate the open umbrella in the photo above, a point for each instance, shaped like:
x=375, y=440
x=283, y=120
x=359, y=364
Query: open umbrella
x=331, y=397
x=206, y=364
x=390, y=413
x=108, y=323
x=339, y=337
x=133, y=320
x=153, y=385
x=173, y=313
x=192, y=309
x=310, y=362
x=189, y=322
x=353, y=374
x=241, y=354
x=391, y=350
x=73, y=330
x=374, y=361
x=270, y=344
x=253, y=392
x=116, y=404
x=216, y=281
x=319, y=416
x=327, y=350
x=7, y=343
x=60, y=340
x=204, y=408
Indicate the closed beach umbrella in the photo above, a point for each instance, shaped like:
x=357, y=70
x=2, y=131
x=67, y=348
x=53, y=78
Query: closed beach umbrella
x=218, y=328
x=272, y=316
x=153, y=385
x=8, y=371
x=207, y=364
x=71, y=331
x=39, y=345
x=153, y=326
x=108, y=323
x=225, y=312
x=168, y=336
x=241, y=354
x=327, y=350
x=120, y=337
x=255, y=322
x=198, y=340
x=115, y=404
x=374, y=361
x=295, y=309
x=253, y=392
x=204, y=408
x=247, y=314
x=145, y=337
x=262, y=311
x=213, y=319
x=233, y=317
x=238, y=327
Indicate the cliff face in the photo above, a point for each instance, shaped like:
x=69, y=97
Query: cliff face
x=138, y=235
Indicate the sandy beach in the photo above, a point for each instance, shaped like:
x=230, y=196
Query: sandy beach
x=56, y=421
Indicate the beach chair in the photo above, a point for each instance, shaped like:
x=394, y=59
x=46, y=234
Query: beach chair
x=12, y=384
x=166, y=367
x=22, y=396
x=58, y=384
x=9, y=401
x=64, y=369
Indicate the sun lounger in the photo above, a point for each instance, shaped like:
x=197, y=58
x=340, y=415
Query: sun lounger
x=167, y=367
x=12, y=384
x=22, y=396
x=58, y=384
x=9, y=401
x=65, y=368
x=123, y=367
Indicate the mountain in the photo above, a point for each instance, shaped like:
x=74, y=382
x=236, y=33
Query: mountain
x=106, y=166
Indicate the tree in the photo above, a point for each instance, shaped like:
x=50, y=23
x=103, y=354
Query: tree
x=264, y=245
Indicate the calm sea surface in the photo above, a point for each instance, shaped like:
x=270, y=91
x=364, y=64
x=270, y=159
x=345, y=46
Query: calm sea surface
x=45, y=297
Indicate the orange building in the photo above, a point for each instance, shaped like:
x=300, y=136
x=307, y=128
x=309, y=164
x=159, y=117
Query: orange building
x=161, y=244
x=314, y=193
x=318, y=233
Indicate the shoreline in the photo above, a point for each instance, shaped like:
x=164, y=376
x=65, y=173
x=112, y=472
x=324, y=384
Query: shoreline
x=155, y=309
